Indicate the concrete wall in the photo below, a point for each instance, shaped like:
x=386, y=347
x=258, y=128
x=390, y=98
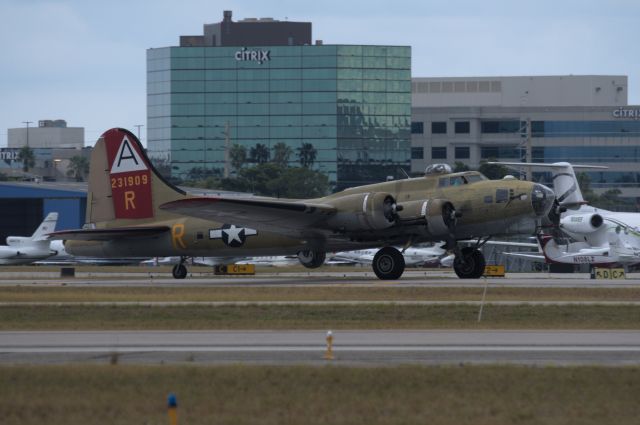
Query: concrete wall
x=533, y=91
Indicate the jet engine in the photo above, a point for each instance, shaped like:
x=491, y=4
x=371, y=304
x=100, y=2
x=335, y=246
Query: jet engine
x=439, y=215
x=364, y=211
x=588, y=227
x=582, y=223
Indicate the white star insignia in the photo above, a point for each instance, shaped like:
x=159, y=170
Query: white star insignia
x=233, y=234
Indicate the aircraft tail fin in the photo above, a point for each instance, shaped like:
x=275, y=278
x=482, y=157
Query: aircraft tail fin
x=565, y=182
x=124, y=187
x=47, y=226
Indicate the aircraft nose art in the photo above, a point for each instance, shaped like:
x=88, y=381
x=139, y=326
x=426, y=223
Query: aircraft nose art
x=129, y=174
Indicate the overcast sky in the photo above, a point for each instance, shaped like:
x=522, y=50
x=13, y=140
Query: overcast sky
x=84, y=60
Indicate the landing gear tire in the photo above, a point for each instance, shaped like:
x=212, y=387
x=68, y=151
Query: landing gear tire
x=388, y=263
x=312, y=259
x=469, y=264
x=179, y=271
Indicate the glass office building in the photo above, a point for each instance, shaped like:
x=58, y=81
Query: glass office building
x=351, y=102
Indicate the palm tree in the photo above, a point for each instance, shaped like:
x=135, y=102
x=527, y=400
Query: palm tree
x=237, y=156
x=27, y=157
x=260, y=153
x=78, y=167
x=281, y=153
x=307, y=155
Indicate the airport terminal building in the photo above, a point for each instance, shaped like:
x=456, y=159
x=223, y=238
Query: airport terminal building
x=580, y=119
x=262, y=82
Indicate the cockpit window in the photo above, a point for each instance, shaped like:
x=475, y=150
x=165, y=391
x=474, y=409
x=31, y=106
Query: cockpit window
x=456, y=181
x=443, y=182
x=502, y=195
x=472, y=178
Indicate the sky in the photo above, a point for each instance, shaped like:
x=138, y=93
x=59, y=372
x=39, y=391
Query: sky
x=85, y=61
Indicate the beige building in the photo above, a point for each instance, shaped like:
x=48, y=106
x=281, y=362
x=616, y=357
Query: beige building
x=48, y=134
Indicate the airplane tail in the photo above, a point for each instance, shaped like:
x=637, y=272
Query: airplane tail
x=565, y=184
x=47, y=226
x=124, y=187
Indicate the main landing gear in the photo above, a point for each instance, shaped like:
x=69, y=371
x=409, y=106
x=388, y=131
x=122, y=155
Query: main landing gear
x=469, y=262
x=179, y=271
x=311, y=259
x=388, y=263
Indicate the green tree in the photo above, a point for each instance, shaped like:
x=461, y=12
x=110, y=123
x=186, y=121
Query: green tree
x=260, y=153
x=307, y=155
x=584, y=183
x=281, y=154
x=493, y=171
x=460, y=166
x=302, y=182
x=78, y=168
x=27, y=157
x=610, y=200
x=237, y=156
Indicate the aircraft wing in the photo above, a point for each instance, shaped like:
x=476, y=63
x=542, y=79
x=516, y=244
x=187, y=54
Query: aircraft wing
x=531, y=256
x=108, y=234
x=292, y=218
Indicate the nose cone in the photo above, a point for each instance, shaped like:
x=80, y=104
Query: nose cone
x=542, y=199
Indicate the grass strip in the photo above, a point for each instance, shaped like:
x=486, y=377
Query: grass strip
x=28, y=293
x=361, y=316
x=478, y=395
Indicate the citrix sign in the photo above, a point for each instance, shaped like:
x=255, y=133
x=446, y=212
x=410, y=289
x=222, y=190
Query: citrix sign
x=259, y=56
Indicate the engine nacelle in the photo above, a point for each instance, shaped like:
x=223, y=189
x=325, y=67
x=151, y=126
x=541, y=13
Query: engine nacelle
x=582, y=223
x=364, y=211
x=17, y=240
x=439, y=215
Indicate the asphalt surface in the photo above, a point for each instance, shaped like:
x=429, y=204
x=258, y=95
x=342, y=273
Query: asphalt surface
x=309, y=347
x=429, y=278
x=613, y=348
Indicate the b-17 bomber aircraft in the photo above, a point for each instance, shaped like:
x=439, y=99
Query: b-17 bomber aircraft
x=133, y=211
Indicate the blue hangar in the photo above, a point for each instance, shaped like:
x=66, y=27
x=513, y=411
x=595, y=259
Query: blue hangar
x=23, y=206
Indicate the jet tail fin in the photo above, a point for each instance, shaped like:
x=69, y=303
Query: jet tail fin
x=565, y=182
x=47, y=226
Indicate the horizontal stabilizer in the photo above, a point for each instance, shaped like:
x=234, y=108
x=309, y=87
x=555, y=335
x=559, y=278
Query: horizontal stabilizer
x=547, y=165
x=531, y=256
x=109, y=234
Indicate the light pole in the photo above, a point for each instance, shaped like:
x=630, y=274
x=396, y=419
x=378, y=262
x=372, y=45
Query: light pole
x=138, y=127
x=27, y=123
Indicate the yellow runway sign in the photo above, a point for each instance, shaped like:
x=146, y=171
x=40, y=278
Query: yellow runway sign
x=494, y=270
x=605, y=273
x=236, y=269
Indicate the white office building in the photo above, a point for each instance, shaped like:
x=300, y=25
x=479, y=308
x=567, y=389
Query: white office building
x=581, y=119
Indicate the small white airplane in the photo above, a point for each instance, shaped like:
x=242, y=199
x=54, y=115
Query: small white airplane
x=413, y=257
x=28, y=249
x=599, y=237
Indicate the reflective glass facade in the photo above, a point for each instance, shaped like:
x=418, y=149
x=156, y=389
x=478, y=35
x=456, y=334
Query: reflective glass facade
x=352, y=103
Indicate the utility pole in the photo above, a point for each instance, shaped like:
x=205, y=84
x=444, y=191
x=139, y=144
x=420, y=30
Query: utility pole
x=528, y=175
x=27, y=123
x=138, y=127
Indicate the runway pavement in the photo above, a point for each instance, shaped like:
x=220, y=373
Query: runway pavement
x=428, y=278
x=386, y=347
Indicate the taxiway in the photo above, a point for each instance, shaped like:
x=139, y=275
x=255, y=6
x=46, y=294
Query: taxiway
x=304, y=347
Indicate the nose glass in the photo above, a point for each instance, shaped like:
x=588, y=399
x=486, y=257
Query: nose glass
x=542, y=199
